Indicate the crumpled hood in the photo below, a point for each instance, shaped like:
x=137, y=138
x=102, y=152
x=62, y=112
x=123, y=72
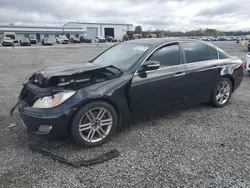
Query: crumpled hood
x=68, y=69
x=69, y=72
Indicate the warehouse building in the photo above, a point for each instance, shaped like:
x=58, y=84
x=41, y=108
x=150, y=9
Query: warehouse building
x=40, y=32
x=101, y=29
x=71, y=30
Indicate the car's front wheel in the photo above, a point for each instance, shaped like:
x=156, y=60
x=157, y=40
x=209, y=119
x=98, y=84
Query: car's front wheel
x=94, y=123
x=222, y=93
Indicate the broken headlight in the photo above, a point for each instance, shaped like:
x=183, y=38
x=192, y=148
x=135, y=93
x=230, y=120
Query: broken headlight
x=53, y=101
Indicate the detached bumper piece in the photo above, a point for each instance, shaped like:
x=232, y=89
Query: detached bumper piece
x=77, y=164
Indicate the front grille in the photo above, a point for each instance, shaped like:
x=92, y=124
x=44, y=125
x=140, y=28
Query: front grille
x=28, y=97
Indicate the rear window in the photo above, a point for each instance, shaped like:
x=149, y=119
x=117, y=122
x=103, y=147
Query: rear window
x=223, y=55
x=213, y=53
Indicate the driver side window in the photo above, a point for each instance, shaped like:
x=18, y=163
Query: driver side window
x=167, y=56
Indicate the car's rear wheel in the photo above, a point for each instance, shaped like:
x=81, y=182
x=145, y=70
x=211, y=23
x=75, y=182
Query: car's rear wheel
x=93, y=124
x=222, y=93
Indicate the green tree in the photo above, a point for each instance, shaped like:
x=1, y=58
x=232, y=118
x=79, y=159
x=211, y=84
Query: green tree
x=138, y=29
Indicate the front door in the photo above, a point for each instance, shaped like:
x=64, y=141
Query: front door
x=161, y=88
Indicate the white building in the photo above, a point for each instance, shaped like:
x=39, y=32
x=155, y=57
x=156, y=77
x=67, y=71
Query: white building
x=71, y=30
x=40, y=32
x=101, y=29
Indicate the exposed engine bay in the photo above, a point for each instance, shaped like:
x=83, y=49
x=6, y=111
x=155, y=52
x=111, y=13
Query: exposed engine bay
x=75, y=80
x=41, y=84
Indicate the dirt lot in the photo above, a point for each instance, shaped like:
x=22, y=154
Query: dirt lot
x=199, y=146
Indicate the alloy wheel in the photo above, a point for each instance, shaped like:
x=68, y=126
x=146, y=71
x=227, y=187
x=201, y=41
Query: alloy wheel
x=223, y=92
x=96, y=124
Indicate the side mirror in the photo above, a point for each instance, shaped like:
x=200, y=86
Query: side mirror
x=149, y=65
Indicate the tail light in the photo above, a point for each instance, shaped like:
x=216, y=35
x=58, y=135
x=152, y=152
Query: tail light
x=242, y=64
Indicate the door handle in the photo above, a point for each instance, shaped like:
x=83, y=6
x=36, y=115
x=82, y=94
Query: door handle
x=215, y=66
x=180, y=74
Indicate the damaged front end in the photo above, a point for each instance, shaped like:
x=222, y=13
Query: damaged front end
x=52, y=81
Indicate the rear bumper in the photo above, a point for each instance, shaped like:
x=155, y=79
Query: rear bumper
x=25, y=44
x=45, y=121
x=65, y=42
x=237, y=82
x=47, y=44
x=102, y=41
x=7, y=44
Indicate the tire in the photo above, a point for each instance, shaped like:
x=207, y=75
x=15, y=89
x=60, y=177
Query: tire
x=83, y=138
x=218, y=102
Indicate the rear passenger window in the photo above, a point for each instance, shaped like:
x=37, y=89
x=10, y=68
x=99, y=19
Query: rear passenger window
x=195, y=52
x=212, y=52
x=167, y=55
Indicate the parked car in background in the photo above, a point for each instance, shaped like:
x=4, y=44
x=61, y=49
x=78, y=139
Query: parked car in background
x=75, y=40
x=221, y=39
x=100, y=39
x=90, y=100
x=6, y=41
x=84, y=39
x=62, y=40
x=11, y=35
x=247, y=62
x=47, y=42
x=248, y=46
x=110, y=39
x=25, y=42
x=32, y=40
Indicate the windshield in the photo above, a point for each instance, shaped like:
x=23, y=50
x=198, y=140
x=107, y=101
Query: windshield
x=122, y=56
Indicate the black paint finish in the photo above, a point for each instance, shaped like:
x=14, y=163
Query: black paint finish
x=132, y=93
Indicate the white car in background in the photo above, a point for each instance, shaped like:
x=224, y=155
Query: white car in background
x=247, y=62
x=100, y=39
x=6, y=41
x=62, y=40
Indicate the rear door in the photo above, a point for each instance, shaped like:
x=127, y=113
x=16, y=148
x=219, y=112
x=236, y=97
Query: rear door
x=203, y=68
x=161, y=88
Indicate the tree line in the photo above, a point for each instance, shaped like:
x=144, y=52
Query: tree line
x=199, y=32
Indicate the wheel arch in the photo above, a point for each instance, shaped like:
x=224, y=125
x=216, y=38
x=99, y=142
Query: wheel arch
x=231, y=78
x=110, y=102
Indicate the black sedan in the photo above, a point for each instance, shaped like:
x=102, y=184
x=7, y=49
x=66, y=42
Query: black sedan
x=110, y=39
x=75, y=40
x=90, y=100
x=25, y=42
x=84, y=39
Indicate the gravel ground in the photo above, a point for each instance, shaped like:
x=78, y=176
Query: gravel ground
x=199, y=146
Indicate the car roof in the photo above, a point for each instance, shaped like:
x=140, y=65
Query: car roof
x=159, y=41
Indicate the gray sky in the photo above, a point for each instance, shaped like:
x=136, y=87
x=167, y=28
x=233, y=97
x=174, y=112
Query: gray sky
x=156, y=14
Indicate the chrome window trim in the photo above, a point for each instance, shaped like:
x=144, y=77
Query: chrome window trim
x=136, y=73
x=185, y=63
